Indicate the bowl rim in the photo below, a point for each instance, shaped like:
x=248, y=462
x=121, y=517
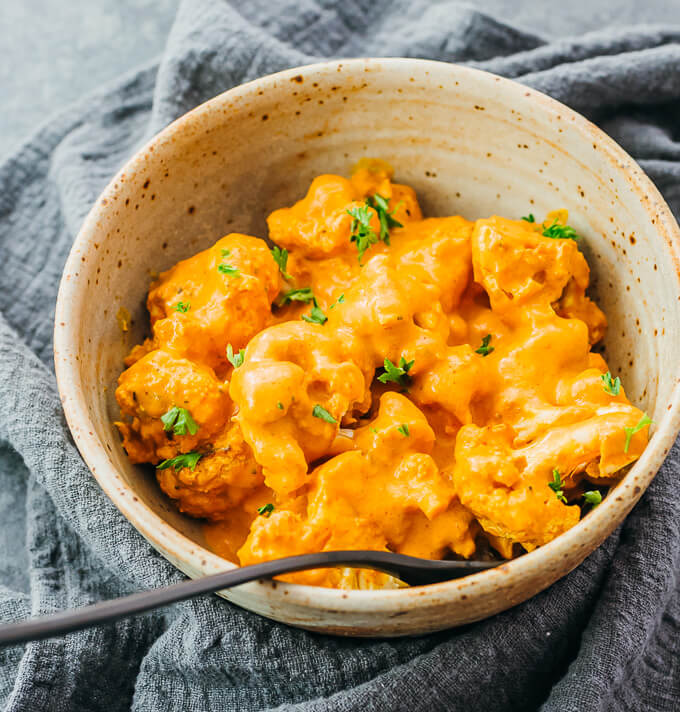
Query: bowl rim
x=164, y=536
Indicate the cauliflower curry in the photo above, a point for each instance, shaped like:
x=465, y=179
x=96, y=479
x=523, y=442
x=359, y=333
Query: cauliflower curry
x=378, y=380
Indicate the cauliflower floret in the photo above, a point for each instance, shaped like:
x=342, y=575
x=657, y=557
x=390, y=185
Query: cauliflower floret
x=293, y=389
x=318, y=225
x=218, y=297
x=437, y=252
x=220, y=481
x=512, y=492
x=373, y=497
x=152, y=386
x=517, y=266
x=453, y=382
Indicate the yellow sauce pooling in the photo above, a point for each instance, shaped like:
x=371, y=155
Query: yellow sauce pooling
x=307, y=445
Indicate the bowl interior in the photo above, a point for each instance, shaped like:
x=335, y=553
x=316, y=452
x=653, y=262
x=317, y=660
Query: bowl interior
x=467, y=142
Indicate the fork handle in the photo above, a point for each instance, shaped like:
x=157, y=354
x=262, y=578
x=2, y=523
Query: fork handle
x=408, y=568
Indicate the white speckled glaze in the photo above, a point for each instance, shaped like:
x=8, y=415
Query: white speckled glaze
x=470, y=143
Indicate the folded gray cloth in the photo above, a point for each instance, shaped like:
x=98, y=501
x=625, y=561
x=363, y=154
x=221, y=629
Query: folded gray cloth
x=606, y=637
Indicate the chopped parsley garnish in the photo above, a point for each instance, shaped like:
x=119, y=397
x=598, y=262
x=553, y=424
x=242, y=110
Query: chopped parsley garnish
x=361, y=231
x=224, y=268
x=187, y=459
x=397, y=374
x=281, y=258
x=316, y=316
x=593, y=497
x=485, y=349
x=387, y=221
x=612, y=386
x=339, y=300
x=320, y=412
x=303, y=294
x=560, y=232
x=529, y=218
x=179, y=420
x=557, y=486
x=279, y=405
x=265, y=510
x=235, y=360
x=403, y=429
x=182, y=307
x=645, y=420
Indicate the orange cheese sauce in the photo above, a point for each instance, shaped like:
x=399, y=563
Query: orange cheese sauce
x=440, y=390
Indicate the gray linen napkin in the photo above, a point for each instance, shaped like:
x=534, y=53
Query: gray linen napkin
x=606, y=637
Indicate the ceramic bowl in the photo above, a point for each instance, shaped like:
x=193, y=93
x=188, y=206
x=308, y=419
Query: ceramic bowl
x=470, y=143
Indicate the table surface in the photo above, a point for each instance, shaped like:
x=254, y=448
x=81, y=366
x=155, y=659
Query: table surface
x=56, y=52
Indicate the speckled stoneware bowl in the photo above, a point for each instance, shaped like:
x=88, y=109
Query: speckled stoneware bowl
x=470, y=143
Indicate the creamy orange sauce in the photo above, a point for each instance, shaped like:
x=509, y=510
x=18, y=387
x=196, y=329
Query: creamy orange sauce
x=495, y=424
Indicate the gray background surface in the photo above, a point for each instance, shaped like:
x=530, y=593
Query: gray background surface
x=55, y=52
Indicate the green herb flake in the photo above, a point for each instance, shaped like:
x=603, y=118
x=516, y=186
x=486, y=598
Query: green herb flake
x=187, y=459
x=235, y=360
x=230, y=270
x=485, y=349
x=593, y=497
x=339, y=300
x=320, y=412
x=280, y=256
x=182, y=307
x=403, y=429
x=560, y=232
x=374, y=430
x=265, y=510
x=224, y=268
x=611, y=386
x=279, y=405
x=386, y=218
x=557, y=486
x=397, y=374
x=168, y=419
x=529, y=218
x=644, y=421
x=316, y=316
x=179, y=420
x=303, y=294
x=361, y=231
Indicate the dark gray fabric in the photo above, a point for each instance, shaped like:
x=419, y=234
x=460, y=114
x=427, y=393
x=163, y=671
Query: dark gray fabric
x=607, y=637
